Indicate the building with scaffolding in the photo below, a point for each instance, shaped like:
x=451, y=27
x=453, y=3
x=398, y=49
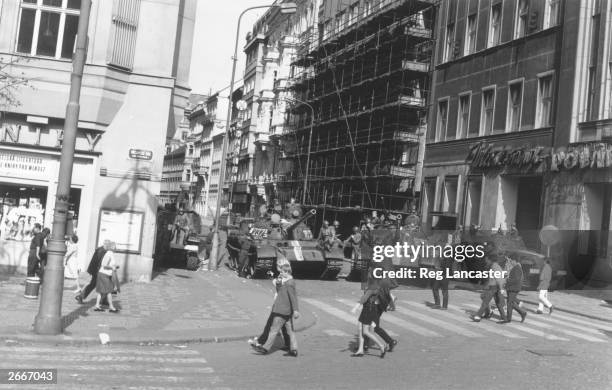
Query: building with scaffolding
x=364, y=75
x=270, y=50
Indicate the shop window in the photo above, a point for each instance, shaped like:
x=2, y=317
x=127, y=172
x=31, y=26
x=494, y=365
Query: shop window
x=448, y=200
x=473, y=201
x=48, y=27
x=429, y=199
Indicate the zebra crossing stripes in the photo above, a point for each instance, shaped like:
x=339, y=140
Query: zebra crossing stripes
x=414, y=317
x=411, y=326
x=525, y=328
x=455, y=314
x=94, y=367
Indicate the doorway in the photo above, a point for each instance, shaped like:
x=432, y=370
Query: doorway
x=528, y=210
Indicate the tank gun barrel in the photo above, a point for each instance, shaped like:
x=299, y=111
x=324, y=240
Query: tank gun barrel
x=307, y=215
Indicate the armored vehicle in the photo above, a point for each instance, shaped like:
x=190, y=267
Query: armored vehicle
x=293, y=241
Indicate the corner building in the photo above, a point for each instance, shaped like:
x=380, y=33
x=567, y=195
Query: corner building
x=518, y=131
x=134, y=90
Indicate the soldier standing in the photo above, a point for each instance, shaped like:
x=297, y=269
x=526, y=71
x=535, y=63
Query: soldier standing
x=243, y=256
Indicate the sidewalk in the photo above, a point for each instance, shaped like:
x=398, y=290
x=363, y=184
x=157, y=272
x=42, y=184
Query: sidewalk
x=178, y=306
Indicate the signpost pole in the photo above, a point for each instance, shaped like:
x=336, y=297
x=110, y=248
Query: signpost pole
x=49, y=318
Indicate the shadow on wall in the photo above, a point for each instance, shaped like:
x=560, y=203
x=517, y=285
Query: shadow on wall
x=123, y=198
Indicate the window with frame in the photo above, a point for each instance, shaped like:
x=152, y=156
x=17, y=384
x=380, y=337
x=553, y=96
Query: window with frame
x=123, y=33
x=353, y=13
x=188, y=175
x=515, y=102
x=463, y=116
x=495, y=25
x=48, y=27
x=470, y=35
x=448, y=200
x=449, y=43
x=442, y=120
x=487, y=111
x=522, y=19
x=591, y=112
x=551, y=13
x=544, y=106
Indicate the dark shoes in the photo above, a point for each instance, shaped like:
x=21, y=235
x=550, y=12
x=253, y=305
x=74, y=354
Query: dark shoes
x=114, y=310
x=79, y=299
x=504, y=322
x=523, y=316
x=550, y=310
x=292, y=353
x=97, y=308
x=392, y=345
x=260, y=350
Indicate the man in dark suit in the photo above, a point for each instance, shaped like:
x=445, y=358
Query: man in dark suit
x=513, y=287
x=92, y=269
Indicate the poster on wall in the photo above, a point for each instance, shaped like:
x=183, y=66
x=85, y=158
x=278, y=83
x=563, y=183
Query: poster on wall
x=124, y=228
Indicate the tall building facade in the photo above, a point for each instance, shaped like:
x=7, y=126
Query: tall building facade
x=270, y=50
x=363, y=73
x=519, y=134
x=578, y=196
x=134, y=90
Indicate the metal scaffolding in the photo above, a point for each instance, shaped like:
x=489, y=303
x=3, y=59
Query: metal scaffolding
x=368, y=84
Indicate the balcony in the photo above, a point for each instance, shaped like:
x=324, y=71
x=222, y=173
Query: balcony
x=598, y=130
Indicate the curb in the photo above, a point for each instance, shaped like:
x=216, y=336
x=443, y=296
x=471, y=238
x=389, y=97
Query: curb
x=28, y=337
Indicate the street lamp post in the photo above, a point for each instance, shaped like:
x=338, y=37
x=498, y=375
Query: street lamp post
x=49, y=318
x=312, y=118
x=285, y=8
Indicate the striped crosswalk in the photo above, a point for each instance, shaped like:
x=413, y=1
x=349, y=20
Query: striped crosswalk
x=110, y=366
x=416, y=318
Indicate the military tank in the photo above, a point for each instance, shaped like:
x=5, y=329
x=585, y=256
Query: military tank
x=293, y=242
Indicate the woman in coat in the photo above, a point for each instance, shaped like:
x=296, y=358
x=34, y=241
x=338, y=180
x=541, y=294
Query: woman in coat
x=369, y=317
x=104, y=282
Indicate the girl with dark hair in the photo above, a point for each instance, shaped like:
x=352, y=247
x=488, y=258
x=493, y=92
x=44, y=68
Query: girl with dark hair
x=369, y=317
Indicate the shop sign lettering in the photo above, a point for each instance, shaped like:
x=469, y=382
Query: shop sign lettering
x=588, y=155
x=483, y=155
x=14, y=164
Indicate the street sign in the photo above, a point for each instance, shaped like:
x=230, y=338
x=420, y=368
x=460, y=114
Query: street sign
x=140, y=154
